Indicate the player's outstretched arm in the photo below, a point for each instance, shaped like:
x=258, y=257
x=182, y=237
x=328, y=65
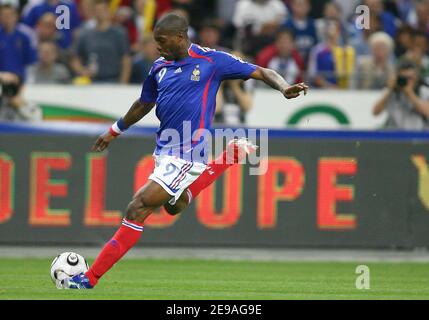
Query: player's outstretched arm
x=276, y=81
x=137, y=111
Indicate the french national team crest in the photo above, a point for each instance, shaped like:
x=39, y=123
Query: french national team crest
x=196, y=74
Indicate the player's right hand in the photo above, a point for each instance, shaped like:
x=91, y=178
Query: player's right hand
x=103, y=142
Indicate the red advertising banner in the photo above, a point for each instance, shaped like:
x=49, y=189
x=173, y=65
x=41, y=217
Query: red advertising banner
x=314, y=193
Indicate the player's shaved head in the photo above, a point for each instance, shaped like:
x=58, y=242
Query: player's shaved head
x=171, y=36
x=173, y=24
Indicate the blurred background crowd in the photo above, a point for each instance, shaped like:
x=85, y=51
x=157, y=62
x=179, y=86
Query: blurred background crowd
x=317, y=41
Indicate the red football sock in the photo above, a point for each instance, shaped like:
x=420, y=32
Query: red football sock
x=213, y=171
x=123, y=240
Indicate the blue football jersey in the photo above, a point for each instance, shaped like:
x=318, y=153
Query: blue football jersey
x=185, y=95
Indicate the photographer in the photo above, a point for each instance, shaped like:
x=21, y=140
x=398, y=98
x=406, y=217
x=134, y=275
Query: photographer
x=406, y=99
x=12, y=105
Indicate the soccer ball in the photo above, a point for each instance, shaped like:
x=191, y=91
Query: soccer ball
x=67, y=264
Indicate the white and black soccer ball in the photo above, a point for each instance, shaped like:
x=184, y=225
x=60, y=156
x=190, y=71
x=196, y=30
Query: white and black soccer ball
x=67, y=264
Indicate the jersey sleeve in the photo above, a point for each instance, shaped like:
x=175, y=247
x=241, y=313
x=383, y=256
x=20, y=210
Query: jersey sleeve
x=232, y=67
x=150, y=88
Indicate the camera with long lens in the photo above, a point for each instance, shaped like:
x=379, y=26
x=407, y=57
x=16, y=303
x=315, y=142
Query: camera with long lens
x=8, y=90
x=401, y=82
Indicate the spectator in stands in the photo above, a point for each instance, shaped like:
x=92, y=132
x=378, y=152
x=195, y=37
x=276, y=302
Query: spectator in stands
x=47, y=31
x=359, y=38
x=209, y=36
x=48, y=70
x=374, y=71
x=406, y=99
x=332, y=65
x=136, y=17
x=85, y=9
x=234, y=99
x=33, y=11
x=162, y=6
x=144, y=18
x=331, y=12
x=198, y=10
x=422, y=15
x=224, y=16
x=303, y=27
x=317, y=7
x=14, y=3
x=224, y=11
x=403, y=40
x=143, y=60
x=124, y=16
x=102, y=53
x=17, y=43
x=418, y=53
x=13, y=107
x=257, y=21
x=387, y=19
x=283, y=57
x=406, y=10
x=348, y=8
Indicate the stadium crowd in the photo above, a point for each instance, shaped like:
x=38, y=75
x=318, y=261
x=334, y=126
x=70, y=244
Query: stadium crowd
x=317, y=41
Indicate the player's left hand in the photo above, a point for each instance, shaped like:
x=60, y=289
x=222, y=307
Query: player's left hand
x=295, y=90
x=103, y=142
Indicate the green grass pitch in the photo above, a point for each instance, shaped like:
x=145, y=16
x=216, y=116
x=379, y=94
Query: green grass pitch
x=200, y=279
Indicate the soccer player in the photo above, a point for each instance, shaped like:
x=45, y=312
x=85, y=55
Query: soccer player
x=183, y=85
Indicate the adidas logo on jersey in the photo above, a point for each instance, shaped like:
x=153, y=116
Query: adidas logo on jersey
x=178, y=70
